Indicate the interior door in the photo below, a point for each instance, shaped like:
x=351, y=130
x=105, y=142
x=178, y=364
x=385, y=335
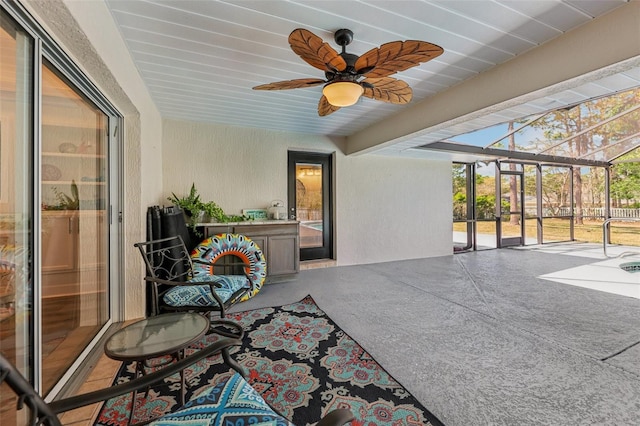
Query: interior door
x=310, y=181
x=511, y=209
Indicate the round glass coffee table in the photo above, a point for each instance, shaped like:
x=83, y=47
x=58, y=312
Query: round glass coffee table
x=161, y=335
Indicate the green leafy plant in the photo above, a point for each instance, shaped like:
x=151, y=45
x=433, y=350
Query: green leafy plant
x=66, y=202
x=214, y=211
x=193, y=206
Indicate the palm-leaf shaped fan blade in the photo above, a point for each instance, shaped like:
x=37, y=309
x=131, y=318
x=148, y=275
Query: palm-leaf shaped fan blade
x=325, y=108
x=290, y=84
x=316, y=52
x=396, y=56
x=387, y=89
x=348, y=77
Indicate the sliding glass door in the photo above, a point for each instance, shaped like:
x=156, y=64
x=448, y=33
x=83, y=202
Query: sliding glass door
x=16, y=204
x=58, y=183
x=75, y=229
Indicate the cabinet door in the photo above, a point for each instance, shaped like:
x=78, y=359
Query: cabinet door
x=263, y=243
x=282, y=255
x=59, y=242
x=92, y=233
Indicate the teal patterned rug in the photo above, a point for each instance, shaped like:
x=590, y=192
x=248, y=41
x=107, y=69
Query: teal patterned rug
x=301, y=363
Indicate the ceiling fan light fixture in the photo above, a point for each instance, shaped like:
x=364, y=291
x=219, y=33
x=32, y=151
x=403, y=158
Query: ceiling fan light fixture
x=342, y=93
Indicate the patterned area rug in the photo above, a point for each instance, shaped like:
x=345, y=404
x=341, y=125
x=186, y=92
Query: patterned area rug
x=302, y=364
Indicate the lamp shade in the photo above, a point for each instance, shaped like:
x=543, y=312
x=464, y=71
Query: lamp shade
x=342, y=93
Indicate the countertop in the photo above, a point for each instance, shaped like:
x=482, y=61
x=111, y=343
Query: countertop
x=248, y=222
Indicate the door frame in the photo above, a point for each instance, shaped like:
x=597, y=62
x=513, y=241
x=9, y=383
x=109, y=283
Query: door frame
x=502, y=241
x=326, y=161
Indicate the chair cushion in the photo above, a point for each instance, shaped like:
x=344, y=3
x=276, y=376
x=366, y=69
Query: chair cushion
x=200, y=295
x=231, y=402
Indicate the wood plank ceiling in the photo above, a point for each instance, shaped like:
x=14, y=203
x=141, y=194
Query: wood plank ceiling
x=200, y=59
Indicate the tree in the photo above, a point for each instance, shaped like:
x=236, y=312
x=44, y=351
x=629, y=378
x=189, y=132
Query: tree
x=625, y=180
x=513, y=180
x=584, y=131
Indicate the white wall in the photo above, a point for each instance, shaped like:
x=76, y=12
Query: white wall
x=393, y=208
x=386, y=208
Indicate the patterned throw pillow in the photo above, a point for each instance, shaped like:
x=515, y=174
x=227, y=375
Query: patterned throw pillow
x=232, y=402
x=200, y=295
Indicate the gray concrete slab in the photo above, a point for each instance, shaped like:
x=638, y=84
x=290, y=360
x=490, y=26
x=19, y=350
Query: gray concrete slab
x=479, y=339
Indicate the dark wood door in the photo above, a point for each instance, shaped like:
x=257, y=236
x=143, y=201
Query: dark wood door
x=310, y=202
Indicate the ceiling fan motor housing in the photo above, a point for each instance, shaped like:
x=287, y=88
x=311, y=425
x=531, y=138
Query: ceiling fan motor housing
x=343, y=37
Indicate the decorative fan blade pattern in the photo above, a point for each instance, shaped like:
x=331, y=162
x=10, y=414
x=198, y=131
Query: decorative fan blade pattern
x=315, y=52
x=376, y=66
x=290, y=84
x=396, y=56
x=388, y=89
x=325, y=108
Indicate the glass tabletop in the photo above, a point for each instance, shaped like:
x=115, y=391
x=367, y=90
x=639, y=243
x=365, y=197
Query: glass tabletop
x=155, y=336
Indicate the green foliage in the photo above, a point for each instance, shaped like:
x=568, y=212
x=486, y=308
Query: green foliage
x=625, y=182
x=485, y=206
x=66, y=202
x=193, y=206
x=459, y=206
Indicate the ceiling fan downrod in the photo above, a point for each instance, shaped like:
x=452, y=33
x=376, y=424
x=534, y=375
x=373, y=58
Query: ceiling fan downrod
x=343, y=37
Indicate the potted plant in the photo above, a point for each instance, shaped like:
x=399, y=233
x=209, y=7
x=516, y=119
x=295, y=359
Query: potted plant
x=214, y=211
x=195, y=209
x=66, y=202
x=190, y=205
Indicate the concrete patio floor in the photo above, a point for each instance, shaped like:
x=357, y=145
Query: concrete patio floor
x=482, y=338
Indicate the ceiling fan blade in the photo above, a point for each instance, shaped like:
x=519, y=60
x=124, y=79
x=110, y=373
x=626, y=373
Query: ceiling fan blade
x=396, y=56
x=325, y=108
x=290, y=84
x=387, y=89
x=315, y=52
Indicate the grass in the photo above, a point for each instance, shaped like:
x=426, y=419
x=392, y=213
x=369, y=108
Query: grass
x=623, y=233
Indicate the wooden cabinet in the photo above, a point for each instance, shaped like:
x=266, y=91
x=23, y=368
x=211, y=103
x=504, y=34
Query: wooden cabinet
x=279, y=241
x=71, y=250
x=59, y=241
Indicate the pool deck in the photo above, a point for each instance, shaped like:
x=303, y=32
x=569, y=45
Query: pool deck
x=604, y=275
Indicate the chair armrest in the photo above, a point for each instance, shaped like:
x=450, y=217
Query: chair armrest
x=336, y=418
x=142, y=382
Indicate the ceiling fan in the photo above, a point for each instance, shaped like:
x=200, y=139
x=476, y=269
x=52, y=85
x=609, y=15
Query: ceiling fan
x=348, y=76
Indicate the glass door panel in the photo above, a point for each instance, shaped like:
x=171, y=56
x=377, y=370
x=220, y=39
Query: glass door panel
x=485, y=205
x=310, y=203
x=463, y=178
x=74, y=223
x=511, y=209
x=16, y=206
x=557, y=210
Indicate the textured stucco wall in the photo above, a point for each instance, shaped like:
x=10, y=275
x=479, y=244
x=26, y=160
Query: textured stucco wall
x=386, y=208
